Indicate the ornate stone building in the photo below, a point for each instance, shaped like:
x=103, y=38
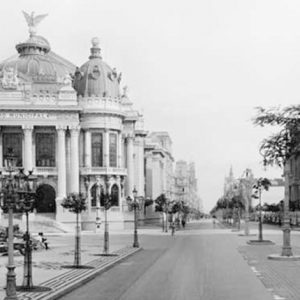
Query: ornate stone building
x=159, y=174
x=73, y=127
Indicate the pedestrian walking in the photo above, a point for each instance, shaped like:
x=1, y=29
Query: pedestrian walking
x=183, y=223
x=173, y=228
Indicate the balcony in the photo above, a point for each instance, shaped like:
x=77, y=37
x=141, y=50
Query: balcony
x=103, y=171
x=45, y=171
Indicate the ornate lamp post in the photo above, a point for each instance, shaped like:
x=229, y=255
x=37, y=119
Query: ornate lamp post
x=8, y=199
x=286, y=228
x=98, y=194
x=260, y=233
x=135, y=205
x=106, y=230
x=27, y=186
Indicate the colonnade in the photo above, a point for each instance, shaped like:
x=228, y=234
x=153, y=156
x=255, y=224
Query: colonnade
x=61, y=163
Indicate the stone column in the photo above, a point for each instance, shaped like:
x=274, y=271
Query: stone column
x=68, y=164
x=140, y=166
x=130, y=166
x=106, y=148
x=87, y=148
x=27, y=129
x=156, y=177
x=61, y=162
x=74, y=188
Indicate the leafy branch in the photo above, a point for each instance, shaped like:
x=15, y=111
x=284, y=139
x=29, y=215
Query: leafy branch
x=279, y=147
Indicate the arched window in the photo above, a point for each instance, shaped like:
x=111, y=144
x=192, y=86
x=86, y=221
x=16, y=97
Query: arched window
x=114, y=195
x=94, y=196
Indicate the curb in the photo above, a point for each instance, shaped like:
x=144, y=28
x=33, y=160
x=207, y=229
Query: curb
x=259, y=243
x=75, y=278
x=284, y=258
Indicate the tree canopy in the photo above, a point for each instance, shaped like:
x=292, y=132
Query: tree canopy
x=279, y=147
x=74, y=203
x=160, y=203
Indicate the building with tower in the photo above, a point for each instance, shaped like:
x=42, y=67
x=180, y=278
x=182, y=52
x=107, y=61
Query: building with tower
x=186, y=184
x=72, y=126
x=78, y=130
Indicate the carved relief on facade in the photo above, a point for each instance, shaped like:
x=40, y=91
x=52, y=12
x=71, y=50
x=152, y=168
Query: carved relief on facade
x=9, y=78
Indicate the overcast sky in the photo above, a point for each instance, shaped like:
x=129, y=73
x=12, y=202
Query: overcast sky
x=195, y=68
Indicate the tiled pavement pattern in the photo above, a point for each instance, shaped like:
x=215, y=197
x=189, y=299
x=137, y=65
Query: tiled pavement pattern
x=281, y=278
x=75, y=277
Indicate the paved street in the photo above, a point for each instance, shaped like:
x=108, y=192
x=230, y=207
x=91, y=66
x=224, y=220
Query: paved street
x=199, y=263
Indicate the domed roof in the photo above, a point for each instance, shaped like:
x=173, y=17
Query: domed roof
x=95, y=77
x=36, y=63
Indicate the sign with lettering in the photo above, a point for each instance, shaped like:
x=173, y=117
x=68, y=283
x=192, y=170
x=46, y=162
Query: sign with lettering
x=27, y=116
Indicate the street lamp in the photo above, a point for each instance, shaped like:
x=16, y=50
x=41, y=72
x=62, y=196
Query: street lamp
x=286, y=228
x=18, y=192
x=135, y=206
x=98, y=194
x=107, y=205
x=8, y=199
x=27, y=196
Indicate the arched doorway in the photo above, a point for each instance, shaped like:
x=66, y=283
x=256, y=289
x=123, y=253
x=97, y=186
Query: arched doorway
x=45, y=200
x=114, y=195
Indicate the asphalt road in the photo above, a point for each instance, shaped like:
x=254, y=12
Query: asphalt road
x=199, y=263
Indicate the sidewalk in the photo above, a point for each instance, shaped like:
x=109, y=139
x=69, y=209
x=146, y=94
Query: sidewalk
x=281, y=278
x=49, y=266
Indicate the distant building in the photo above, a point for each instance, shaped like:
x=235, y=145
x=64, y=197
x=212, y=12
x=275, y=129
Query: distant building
x=186, y=184
x=158, y=166
x=230, y=185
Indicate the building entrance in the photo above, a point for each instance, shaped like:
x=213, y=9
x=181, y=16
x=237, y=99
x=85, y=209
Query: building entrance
x=45, y=202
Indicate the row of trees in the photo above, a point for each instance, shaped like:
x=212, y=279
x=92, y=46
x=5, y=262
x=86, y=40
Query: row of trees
x=76, y=203
x=278, y=149
x=171, y=208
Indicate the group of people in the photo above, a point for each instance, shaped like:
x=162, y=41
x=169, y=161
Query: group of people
x=173, y=225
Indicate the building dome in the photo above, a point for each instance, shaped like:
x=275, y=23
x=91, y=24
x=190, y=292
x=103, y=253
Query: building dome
x=95, y=77
x=36, y=63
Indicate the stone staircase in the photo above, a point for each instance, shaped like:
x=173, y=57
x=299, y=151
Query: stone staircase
x=38, y=224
